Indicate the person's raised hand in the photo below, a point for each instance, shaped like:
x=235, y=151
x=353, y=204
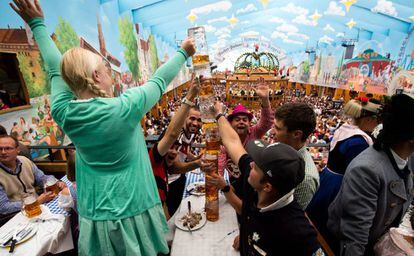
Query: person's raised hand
x=262, y=88
x=27, y=9
x=195, y=87
x=218, y=108
x=189, y=46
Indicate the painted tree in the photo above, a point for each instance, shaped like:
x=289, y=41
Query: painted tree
x=66, y=35
x=34, y=88
x=128, y=40
x=153, y=53
x=47, y=85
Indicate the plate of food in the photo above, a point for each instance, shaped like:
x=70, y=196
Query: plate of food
x=197, y=188
x=190, y=221
x=22, y=235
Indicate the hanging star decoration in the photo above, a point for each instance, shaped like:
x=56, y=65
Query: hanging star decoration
x=348, y=3
x=264, y=3
x=315, y=16
x=192, y=17
x=351, y=24
x=412, y=18
x=233, y=20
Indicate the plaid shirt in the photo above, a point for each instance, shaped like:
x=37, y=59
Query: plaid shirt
x=305, y=190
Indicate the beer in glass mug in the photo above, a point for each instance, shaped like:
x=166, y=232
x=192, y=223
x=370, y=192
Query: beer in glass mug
x=51, y=185
x=31, y=207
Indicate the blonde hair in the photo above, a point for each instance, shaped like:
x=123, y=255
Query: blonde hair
x=357, y=109
x=77, y=67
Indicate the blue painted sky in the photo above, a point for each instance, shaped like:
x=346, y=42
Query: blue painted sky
x=82, y=15
x=290, y=24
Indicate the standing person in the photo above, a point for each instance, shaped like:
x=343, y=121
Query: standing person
x=162, y=149
x=294, y=123
x=241, y=121
x=378, y=184
x=351, y=139
x=272, y=222
x=119, y=206
x=185, y=161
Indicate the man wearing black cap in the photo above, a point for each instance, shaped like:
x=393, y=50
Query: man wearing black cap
x=272, y=223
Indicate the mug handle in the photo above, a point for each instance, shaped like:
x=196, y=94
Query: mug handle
x=23, y=211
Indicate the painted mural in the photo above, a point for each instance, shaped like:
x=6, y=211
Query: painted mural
x=134, y=54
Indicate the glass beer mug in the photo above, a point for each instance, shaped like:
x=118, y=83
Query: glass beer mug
x=31, y=207
x=50, y=184
x=201, y=60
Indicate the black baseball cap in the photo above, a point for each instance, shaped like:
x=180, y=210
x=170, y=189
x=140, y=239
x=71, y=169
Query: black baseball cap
x=281, y=163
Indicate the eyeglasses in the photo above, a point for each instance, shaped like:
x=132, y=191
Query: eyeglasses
x=6, y=149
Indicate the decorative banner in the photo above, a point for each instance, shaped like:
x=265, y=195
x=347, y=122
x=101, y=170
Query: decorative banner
x=245, y=44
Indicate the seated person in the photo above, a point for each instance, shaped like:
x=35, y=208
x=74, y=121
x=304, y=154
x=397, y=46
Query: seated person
x=272, y=222
x=18, y=175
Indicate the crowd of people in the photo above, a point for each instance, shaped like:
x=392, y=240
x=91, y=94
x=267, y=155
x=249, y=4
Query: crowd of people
x=125, y=193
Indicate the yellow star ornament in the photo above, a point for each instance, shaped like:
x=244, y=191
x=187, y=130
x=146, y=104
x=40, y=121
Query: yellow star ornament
x=348, y=3
x=192, y=17
x=233, y=20
x=315, y=16
x=351, y=24
x=264, y=3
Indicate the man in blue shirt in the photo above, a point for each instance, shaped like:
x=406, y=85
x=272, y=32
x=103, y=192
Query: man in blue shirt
x=18, y=176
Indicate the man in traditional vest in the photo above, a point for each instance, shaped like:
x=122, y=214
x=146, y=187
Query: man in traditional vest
x=18, y=176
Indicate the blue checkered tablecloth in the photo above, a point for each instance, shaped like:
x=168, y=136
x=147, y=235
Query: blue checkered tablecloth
x=53, y=205
x=198, y=176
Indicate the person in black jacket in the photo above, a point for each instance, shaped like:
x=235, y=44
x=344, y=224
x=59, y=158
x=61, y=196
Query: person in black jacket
x=272, y=222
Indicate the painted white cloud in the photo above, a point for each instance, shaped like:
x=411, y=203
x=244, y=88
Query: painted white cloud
x=292, y=8
x=219, y=44
x=222, y=32
x=285, y=37
x=277, y=20
x=287, y=28
x=340, y=34
x=277, y=34
x=334, y=9
x=209, y=28
x=219, y=6
x=248, y=8
x=223, y=36
x=301, y=36
x=328, y=27
x=302, y=19
x=386, y=7
x=220, y=19
x=290, y=41
x=250, y=33
x=326, y=39
x=245, y=22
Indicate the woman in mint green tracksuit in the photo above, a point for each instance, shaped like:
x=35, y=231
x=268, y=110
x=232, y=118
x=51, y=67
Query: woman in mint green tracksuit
x=118, y=203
